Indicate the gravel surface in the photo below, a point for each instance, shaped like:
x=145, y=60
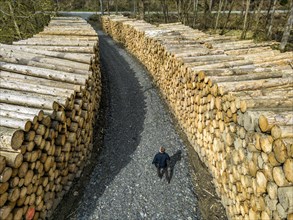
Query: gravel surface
x=119, y=181
x=124, y=183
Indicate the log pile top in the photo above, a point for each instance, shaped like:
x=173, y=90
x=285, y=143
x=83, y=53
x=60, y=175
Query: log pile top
x=233, y=99
x=50, y=92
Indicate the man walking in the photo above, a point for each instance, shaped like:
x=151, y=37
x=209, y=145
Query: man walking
x=161, y=161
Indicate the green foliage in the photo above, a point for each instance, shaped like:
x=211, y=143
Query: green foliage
x=26, y=16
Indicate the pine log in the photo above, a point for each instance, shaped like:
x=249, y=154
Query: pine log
x=35, y=87
x=13, y=194
x=66, y=49
x=288, y=169
x=268, y=119
x=83, y=58
x=3, y=199
x=42, y=64
x=12, y=159
x=23, y=109
x=10, y=138
x=253, y=84
x=40, y=81
x=282, y=131
x=69, y=32
x=22, y=170
x=266, y=102
x=280, y=151
x=2, y=163
x=18, y=115
x=48, y=74
x=6, y=210
x=11, y=54
x=15, y=123
x=285, y=197
x=32, y=99
x=5, y=175
x=279, y=176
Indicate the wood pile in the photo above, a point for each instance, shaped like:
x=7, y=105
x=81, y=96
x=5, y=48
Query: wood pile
x=50, y=92
x=234, y=101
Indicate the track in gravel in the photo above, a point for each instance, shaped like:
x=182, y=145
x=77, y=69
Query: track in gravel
x=124, y=184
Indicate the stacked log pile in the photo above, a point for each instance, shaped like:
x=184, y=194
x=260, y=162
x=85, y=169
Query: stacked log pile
x=233, y=100
x=50, y=92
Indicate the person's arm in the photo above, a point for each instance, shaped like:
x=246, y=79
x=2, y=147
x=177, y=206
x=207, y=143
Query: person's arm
x=155, y=161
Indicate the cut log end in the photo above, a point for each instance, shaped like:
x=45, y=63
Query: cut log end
x=17, y=139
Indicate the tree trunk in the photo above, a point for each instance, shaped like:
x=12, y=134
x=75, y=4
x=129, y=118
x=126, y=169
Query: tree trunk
x=218, y=14
x=257, y=17
x=287, y=30
x=243, y=35
x=108, y=7
x=165, y=10
x=14, y=21
x=134, y=8
x=116, y=7
x=195, y=9
x=210, y=5
x=101, y=7
x=271, y=21
x=141, y=9
x=11, y=139
x=228, y=17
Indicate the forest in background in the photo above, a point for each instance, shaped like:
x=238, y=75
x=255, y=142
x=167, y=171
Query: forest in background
x=247, y=19
x=19, y=19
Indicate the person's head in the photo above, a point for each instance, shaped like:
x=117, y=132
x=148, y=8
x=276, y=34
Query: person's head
x=162, y=149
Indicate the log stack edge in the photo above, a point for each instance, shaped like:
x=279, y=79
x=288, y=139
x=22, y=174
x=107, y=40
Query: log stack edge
x=233, y=100
x=50, y=93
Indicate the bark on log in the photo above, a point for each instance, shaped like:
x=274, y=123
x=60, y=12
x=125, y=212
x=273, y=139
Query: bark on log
x=18, y=115
x=48, y=74
x=13, y=159
x=83, y=58
x=10, y=138
x=15, y=123
x=23, y=109
x=5, y=175
x=32, y=99
x=33, y=86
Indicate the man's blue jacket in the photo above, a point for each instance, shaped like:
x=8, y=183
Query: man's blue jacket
x=161, y=159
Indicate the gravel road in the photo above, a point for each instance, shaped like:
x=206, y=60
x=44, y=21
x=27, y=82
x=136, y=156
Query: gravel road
x=124, y=183
x=120, y=181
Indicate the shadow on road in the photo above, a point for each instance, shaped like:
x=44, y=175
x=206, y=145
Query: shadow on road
x=173, y=160
x=123, y=107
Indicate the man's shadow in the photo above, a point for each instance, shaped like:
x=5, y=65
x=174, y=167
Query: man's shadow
x=173, y=160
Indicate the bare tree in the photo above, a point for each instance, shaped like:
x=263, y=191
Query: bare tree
x=14, y=20
x=165, y=10
x=134, y=8
x=179, y=9
x=287, y=29
x=101, y=7
x=141, y=9
x=270, y=24
x=243, y=35
x=116, y=7
x=108, y=7
x=257, y=17
x=195, y=9
x=231, y=4
x=218, y=14
x=211, y=5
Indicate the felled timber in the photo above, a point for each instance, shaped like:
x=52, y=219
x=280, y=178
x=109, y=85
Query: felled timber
x=50, y=92
x=233, y=100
